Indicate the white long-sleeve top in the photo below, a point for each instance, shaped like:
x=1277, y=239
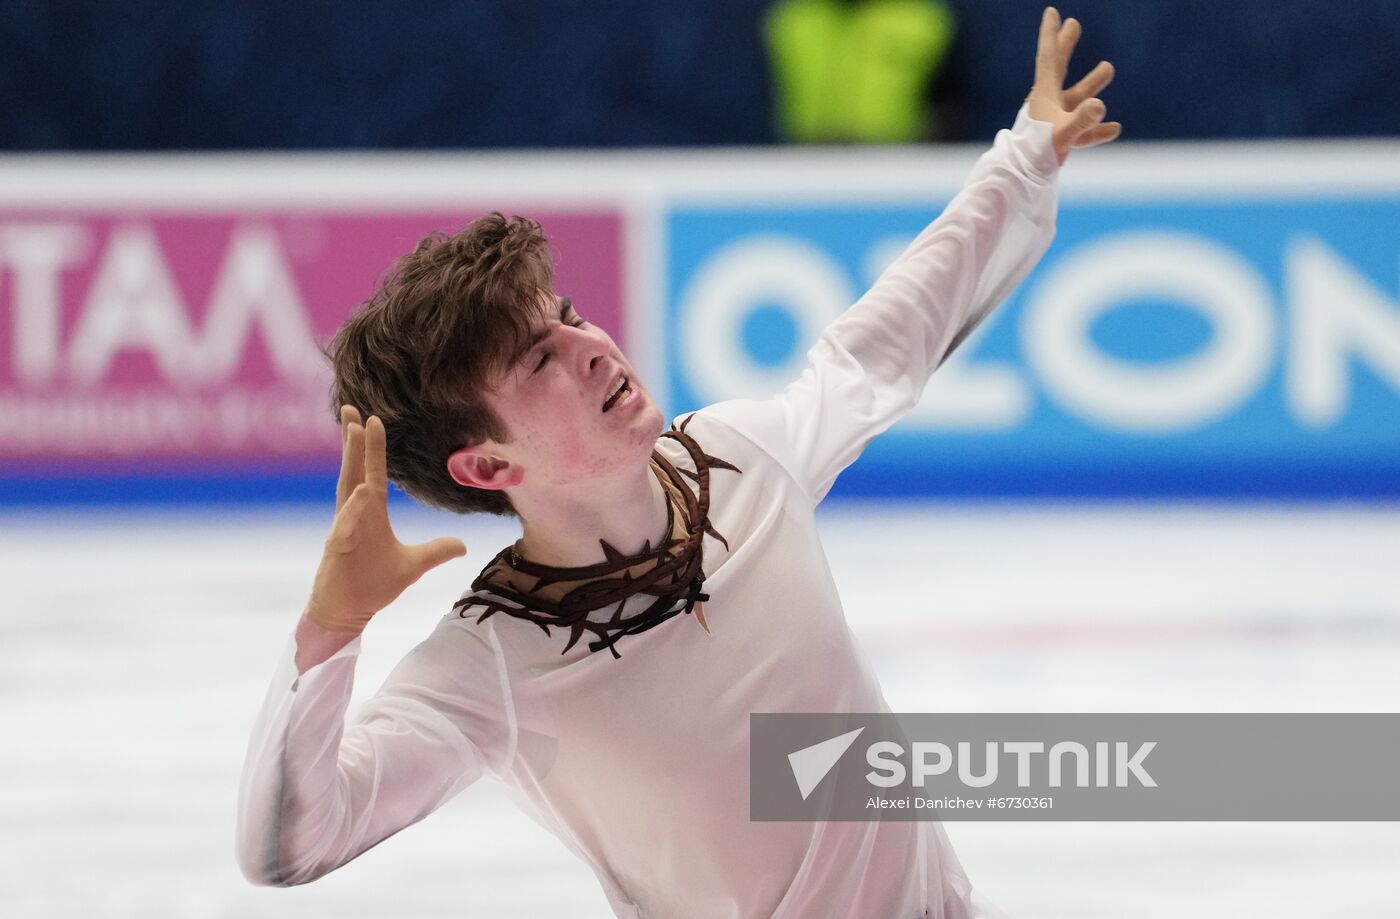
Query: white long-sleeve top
x=640, y=765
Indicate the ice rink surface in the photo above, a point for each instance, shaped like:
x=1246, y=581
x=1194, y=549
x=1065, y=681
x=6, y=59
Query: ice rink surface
x=135, y=649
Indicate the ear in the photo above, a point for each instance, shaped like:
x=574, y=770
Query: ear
x=478, y=467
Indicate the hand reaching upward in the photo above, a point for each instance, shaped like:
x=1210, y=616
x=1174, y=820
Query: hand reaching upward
x=365, y=567
x=1076, y=115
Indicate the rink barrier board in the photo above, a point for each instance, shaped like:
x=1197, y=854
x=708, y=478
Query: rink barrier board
x=1282, y=323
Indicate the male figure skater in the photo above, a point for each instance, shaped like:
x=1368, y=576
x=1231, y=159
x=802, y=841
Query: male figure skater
x=604, y=667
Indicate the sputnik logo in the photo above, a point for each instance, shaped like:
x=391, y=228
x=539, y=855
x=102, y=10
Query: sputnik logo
x=811, y=764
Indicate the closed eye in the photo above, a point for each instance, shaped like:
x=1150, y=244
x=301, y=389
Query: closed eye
x=567, y=316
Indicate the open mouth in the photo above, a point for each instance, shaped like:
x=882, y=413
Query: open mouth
x=620, y=394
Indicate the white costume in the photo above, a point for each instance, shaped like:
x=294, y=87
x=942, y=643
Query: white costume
x=640, y=764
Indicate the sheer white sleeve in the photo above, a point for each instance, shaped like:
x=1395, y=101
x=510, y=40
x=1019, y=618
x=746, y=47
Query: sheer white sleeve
x=870, y=366
x=315, y=793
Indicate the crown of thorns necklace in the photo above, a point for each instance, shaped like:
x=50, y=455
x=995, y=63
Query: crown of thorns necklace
x=671, y=572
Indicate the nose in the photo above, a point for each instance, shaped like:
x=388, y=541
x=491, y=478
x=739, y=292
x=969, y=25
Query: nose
x=590, y=350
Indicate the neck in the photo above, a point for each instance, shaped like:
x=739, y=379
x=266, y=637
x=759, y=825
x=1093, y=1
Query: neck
x=562, y=528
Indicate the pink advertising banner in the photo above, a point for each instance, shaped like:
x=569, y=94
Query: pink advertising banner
x=133, y=341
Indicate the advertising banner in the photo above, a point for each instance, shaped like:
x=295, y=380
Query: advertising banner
x=144, y=349
x=1162, y=347
x=1216, y=322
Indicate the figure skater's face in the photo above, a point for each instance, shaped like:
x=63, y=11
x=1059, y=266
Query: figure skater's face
x=555, y=402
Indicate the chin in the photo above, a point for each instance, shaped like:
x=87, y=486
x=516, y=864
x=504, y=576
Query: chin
x=649, y=426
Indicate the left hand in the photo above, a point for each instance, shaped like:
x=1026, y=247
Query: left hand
x=1076, y=115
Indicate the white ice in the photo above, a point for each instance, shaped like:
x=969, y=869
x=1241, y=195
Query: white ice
x=135, y=647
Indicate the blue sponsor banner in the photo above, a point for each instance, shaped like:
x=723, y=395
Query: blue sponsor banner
x=1217, y=348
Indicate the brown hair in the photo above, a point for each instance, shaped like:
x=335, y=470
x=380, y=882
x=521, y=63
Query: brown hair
x=444, y=323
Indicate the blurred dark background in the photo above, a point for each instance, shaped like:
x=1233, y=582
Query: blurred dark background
x=146, y=75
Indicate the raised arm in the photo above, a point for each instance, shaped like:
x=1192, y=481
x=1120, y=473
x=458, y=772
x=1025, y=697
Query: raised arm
x=870, y=366
x=315, y=793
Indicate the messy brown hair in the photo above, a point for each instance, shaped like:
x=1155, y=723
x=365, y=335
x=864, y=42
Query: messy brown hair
x=439, y=330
